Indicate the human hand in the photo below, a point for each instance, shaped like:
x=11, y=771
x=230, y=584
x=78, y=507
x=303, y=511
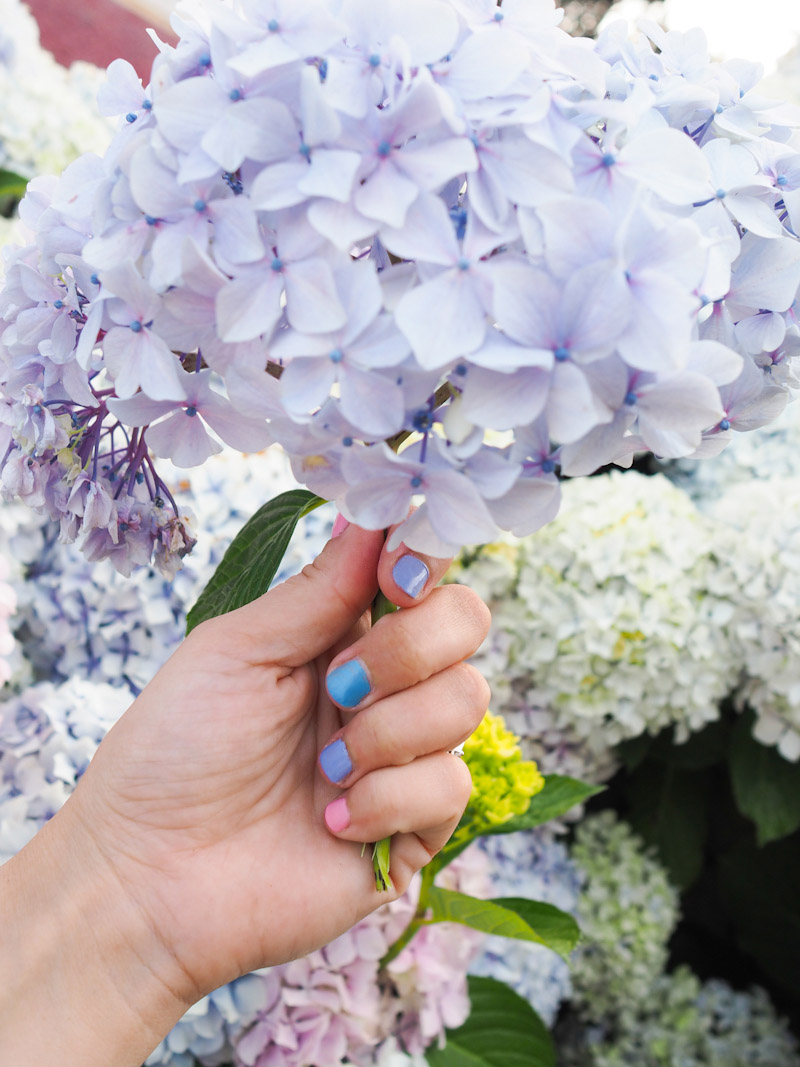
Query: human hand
x=206, y=801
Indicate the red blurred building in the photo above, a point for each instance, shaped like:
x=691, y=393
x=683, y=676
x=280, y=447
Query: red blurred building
x=97, y=31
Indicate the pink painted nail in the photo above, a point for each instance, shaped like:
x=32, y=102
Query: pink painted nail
x=337, y=816
x=339, y=526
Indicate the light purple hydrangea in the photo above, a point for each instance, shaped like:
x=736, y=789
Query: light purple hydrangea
x=438, y=223
x=335, y=1007
x=530, y=864
x=82, y=620
x=47, y=737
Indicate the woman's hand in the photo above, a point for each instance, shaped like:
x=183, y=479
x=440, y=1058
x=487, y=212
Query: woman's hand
x=207, y=809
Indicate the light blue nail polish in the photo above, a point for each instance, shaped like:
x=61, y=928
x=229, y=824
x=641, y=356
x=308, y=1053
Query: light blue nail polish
x=335, y=761
x=348, y=684
x=410, y=574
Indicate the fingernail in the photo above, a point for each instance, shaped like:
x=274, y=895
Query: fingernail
x=337, y=816
x=410, y=574
x=335, y=761
x=339, y=526
x=348, y=684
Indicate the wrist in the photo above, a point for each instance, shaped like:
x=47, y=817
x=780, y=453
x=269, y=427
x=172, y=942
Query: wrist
x=84, y=977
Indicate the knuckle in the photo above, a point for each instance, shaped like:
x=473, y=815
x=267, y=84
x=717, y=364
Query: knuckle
x=368, y=739
x=474, y=692
x=458, y=788
x=470, y=610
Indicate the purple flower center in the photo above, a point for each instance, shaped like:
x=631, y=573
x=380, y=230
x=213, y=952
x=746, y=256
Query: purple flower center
x=347, y=442
x=58, y=304
x=276, y=265
x=273, y=26
x=235, y=94
x=136, y=326
x=384, y=149
x=725, y=424
x=609, y=159
x=374, y=60
x=548, y=466
x=561, y=353
x=150, y=220
x=631, y=398
x=305, y=150
x=130, y=117
x=463, y=263
x=336, y=356
x=199, y=205
x=720, y=194
x=191, y=411
x=416, y=482
x=781, y=180
x=498, y=16
x=204, y=60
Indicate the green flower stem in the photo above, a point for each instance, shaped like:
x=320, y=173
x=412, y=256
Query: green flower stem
x=428, y=875
x=381, y=606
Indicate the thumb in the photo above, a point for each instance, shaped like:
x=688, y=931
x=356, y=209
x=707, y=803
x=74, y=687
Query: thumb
x=303, y=616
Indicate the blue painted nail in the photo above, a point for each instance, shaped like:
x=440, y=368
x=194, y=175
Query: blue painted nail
x=335, y=761
x=348, y=684
x=410, y=574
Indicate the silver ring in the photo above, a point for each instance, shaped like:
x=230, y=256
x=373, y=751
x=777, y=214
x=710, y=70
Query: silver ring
x=458, y=750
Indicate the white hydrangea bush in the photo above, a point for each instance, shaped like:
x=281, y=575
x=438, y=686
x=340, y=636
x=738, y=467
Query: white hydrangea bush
x=611, y=621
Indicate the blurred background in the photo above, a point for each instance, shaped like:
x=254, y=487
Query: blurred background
x=767, y=31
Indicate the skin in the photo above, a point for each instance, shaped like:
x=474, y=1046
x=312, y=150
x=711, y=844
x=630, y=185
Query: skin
x=195, y=847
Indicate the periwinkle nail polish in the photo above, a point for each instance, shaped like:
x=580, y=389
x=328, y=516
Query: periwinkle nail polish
x=335, y=761
x=348, y=684
x=410, y=575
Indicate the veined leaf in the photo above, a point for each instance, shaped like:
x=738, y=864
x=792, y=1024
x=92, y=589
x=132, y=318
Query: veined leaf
x=526, y=920
x=502, y=1030
x=254, y=556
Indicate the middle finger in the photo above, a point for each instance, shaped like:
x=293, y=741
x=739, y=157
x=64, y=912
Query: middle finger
x=408, y=646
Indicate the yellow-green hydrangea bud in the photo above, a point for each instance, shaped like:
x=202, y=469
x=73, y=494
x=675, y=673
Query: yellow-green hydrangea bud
x=503, y=783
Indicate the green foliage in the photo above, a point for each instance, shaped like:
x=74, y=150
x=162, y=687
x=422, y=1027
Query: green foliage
x=254, y=556
x=765, y=785
x=723, y=812
x=670, y=811
x=502, y=1030
x=560, y=793
x=12, y=186
x=518, y=917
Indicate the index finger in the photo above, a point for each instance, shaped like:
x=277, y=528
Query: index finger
x=406, y=577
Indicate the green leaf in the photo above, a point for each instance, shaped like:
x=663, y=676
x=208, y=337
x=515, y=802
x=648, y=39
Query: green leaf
x=526, y=920
x=560, y=793
x=765, y=785
x=669, y=808
x=502, y=1030
x=12, y=185
x=252, y=560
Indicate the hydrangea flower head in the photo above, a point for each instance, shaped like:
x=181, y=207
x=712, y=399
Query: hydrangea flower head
x=443, y=225
x=503, y=783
